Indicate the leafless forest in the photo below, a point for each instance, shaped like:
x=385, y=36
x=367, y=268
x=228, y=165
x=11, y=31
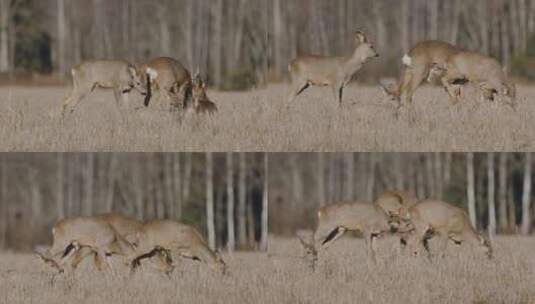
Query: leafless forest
x=236, y=43
x=224, y=195
x=495, y=188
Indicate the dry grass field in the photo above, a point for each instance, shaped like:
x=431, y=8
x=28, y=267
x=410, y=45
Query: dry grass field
x=344, y=276
x=283, y=276
x=25, y=279
x=261, y=121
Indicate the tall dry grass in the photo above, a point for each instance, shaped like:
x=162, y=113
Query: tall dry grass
x=25, y=279
x=343, y=276
x=262, y=121
x=463, y=276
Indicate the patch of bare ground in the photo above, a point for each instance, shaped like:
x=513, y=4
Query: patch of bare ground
x=261, y=120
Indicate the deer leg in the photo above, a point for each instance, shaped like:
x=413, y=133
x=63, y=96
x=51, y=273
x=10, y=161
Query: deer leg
x=412, y=82
x=296, y=90
x=331, y=237
x=370, y=239
x=79, y=256
x=453, y=90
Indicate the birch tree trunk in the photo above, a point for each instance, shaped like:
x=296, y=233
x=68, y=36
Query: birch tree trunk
x=526, y=197
x=210, y=225
x=242, y=201
x=371, y=177
x=470, y=189
x=491, y=194
x=320, y=176
x=265, y=207
x=4, y=216
x=231, y=242
x=349, y=176
x=5, y=23
x=60, y=204
x=502, y=192
x=89, y=178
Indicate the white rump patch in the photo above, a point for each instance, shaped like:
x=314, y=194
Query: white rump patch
x=407, y=60
x=152, y=73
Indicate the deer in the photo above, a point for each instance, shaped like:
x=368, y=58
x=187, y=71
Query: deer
x=201, y=103
x=431, y=218
x=480, y=70
x=417, y=64
x=336, y=72
x=88, y=234
x=167, y=237
x=119, y=75
x=336, y=219
x=396, y=204
x=170, y=78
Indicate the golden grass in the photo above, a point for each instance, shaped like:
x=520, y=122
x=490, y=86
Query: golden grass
x=261, y=121
x=25, y=279
x=343, y=276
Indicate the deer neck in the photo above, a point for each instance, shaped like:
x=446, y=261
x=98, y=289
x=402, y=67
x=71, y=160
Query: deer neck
x=355, y=62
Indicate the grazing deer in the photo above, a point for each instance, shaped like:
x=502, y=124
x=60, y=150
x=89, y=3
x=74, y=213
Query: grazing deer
x=433, y=218
x=334, y=220
x=335, y=72
x=71, y=235
x=416, y=68
x=201, y=103
x=170, y=78
x=480, y=70
x=118, y=75
x=167, y=237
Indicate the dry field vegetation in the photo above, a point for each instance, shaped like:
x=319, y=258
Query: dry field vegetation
x=25, y=279
x=344, y=276
x=260, y=120
x=283, y=276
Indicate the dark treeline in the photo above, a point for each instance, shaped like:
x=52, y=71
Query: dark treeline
x=242, y=43
x=38, y=189
x=495, y=188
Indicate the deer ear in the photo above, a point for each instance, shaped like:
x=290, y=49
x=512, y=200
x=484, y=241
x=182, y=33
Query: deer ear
x=133, y=71
x=361, y=38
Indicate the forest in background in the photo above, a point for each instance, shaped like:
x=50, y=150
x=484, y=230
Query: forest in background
x=239, y=44
x=494, y=188
x=224, y=195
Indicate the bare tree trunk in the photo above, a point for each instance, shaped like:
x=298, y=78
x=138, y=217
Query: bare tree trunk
x=168, y=172
x=320, y=176
x=165, y=31
x=89, y=177
x=398, y=163
x=405, y=26
x=512, y=208
x=60, y=204
x=231, y=242
x=349, y=175
x=447, y=169
x=242, y=200
x=470, y=189
x=177, y=186
x=491, y=194
x=370, y=185
x=297, y=181
x=4, y=216
x=218, y=42
x=140, y=188
x=502, y=192
x=210, y=200
x=62, y=49
x=439, y=183
x=430, y=176
x=5, y=23
x=187, y=176
x=265, y=207
x=526, y=197
x=112, y=175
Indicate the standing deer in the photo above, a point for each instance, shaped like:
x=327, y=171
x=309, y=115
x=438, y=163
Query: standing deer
x=334, y=220
x=170, y=78
x=416, y=68
x=335, y=72
x=118, y=75
x=433, y=218
x=480, y=70
x=93, y=234
x=167, y=237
